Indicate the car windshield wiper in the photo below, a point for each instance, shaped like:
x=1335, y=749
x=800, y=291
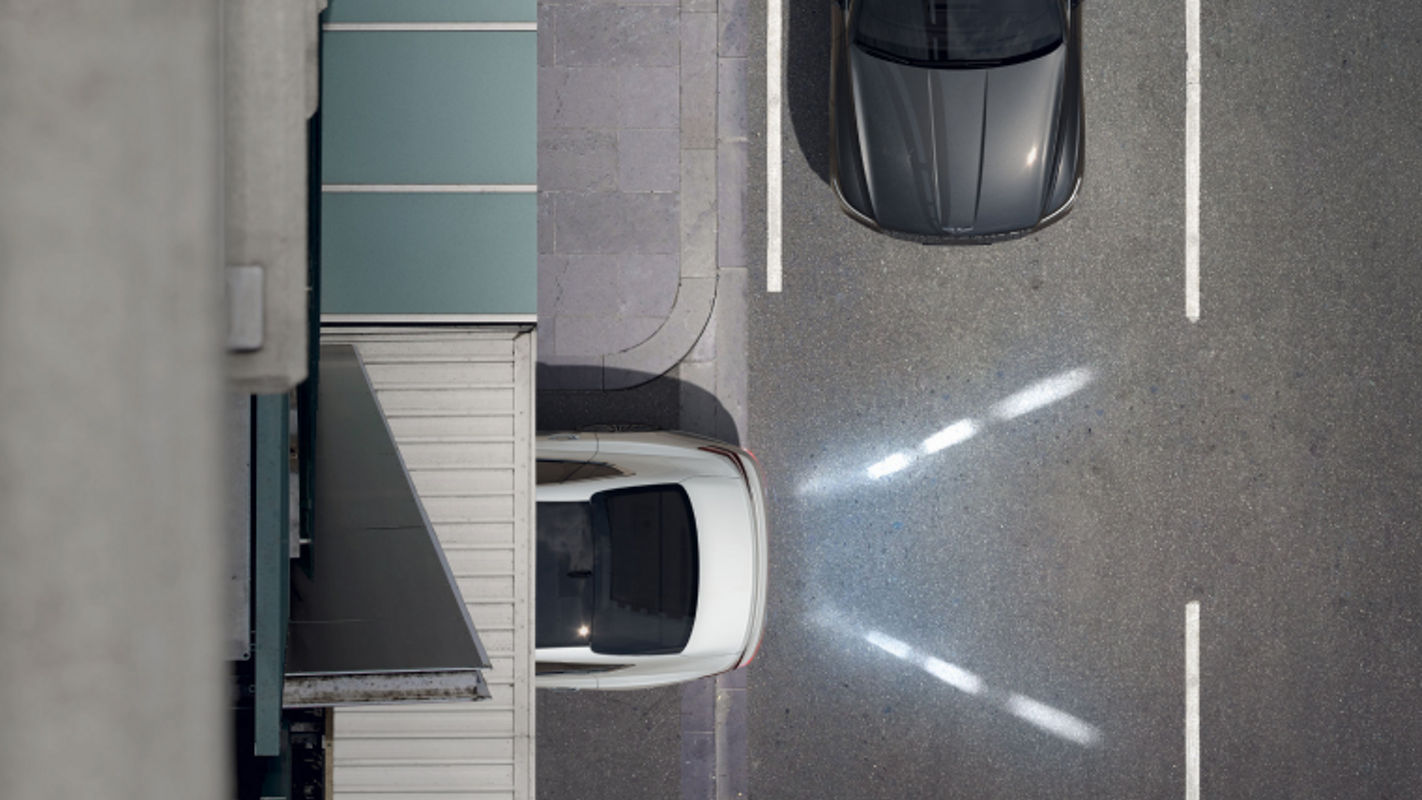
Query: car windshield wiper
x=927, y=63
x=969, y=63
x=888, y=55
x=991, y=63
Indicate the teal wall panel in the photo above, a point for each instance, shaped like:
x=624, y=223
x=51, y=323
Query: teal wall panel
x=429, y=107
x=432, y=11
x=429, y=253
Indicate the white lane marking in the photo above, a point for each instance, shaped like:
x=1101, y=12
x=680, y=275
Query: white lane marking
x=429, y=26
x=774, y=83
x=1192, y=700
x=430, y=188
x=1192, y=160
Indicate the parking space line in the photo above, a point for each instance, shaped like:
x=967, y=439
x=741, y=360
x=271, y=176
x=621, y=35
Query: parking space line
x=774, y=83
x=1192, y=700
x=1192, y=160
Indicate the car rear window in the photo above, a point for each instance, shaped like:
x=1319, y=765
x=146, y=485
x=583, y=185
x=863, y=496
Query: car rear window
x=962, y=33
x=646, y=570
x=619, y=573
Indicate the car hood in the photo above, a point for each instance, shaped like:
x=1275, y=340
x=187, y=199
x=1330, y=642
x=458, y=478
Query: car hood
x=957, y=151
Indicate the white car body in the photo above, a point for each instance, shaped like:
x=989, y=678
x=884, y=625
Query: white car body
x=726, y=494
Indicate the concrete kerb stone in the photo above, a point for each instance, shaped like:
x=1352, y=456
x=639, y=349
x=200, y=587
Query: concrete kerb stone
x=698, y=213
x=712, y=189
x=695, y=298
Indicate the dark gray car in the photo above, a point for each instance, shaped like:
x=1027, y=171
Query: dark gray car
x=956, y=120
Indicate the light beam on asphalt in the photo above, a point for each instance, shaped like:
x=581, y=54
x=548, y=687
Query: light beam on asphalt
x=957, y=433
x=1053, y=720
x=1047, y=718
x=889, y=466
x=1043, y=393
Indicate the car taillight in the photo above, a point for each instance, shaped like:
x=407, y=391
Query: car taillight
x=759, y=470
x=753, y=651
x=731, y=454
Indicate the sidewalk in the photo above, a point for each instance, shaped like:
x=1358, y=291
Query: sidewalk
x=643, y=146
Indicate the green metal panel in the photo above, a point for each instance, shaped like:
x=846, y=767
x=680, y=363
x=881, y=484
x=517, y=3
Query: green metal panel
x=429, y=254
x=276, y=780
x=432, y=11
x=421, y=107
x=271, y=564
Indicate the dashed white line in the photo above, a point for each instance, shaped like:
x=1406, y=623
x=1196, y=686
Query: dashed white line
x=1192, y=160
x=1192, y=700
x=774, y=83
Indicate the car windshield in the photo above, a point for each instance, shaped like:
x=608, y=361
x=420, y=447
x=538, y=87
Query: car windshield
x=619, y=573
x=958, y=33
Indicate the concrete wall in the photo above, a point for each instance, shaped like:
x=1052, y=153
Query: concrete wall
x=110, y=475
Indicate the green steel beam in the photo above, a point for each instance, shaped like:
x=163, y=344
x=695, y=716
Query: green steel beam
x=271, y=565
x=276, y=781
x=307, y=391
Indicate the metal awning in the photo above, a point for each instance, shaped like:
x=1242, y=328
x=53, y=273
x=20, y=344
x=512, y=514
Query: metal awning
x=375, y=614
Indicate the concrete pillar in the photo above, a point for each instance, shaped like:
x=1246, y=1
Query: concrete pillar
x=111, y=672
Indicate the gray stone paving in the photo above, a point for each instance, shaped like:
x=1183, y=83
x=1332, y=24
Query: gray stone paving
x=642, y=159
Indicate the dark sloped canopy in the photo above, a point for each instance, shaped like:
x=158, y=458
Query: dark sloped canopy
x=377, y=599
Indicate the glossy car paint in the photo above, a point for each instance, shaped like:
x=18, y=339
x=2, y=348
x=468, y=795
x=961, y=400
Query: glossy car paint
x=728, y=504
x=943, y=155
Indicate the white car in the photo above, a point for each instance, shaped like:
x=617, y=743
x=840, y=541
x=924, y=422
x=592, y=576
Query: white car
x=651, y=559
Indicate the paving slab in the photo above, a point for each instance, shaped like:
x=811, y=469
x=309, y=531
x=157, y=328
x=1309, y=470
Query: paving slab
x=643, y=151
x=648, y=160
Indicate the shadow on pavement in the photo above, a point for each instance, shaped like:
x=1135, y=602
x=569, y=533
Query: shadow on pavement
x=658, y=402
x=807, y=80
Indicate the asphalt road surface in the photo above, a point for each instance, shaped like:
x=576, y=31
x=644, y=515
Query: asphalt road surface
x=1000, y=474
x=1004, y=616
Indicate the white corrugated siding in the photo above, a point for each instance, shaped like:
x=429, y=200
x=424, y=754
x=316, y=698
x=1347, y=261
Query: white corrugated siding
x=460, y=404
